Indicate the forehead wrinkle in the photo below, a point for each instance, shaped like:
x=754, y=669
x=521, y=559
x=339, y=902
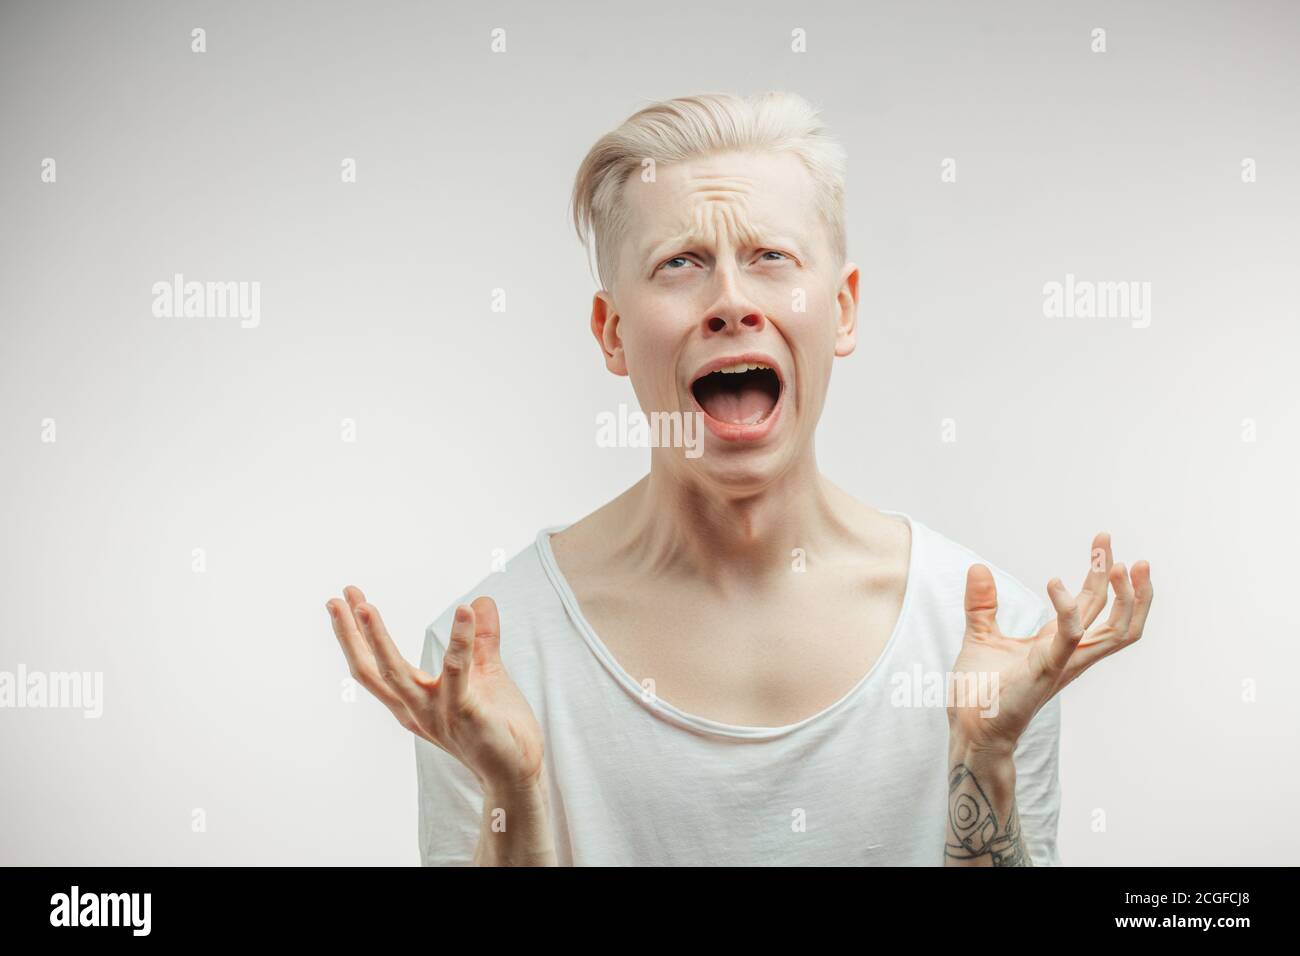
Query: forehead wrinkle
x=736, y=218
x=722, y=184
x=709, y=198
x=711, y=216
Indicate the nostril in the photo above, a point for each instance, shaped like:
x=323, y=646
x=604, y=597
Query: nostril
x=717, y=323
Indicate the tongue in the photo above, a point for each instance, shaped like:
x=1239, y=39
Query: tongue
x=746, y=405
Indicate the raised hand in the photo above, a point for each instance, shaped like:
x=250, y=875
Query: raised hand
x=1030, y=671
x=472, y=710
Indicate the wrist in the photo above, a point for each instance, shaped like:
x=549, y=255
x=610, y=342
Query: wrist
x=996, y=771
x=524, y=798
x=993, y=765
x=516, y=827
x=966, y=749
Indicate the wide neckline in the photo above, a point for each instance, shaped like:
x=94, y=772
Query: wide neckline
x=694, y=722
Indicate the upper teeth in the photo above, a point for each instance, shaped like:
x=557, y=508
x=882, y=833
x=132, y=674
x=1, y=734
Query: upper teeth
x=742, y=367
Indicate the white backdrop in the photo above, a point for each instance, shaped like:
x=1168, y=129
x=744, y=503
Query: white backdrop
x=222, y=687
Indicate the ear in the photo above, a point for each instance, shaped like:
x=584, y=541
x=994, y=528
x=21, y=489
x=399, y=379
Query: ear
x=846, y=302
x=604, y=326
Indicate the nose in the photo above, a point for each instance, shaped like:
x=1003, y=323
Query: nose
x=720, y=323
x=732, y=312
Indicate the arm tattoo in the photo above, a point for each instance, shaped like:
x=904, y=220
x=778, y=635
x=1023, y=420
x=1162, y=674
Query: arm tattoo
x=973, y=823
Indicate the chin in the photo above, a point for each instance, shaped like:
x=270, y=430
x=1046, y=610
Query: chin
x=739, y=470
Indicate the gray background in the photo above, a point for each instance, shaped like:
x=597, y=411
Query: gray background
x=475, y=428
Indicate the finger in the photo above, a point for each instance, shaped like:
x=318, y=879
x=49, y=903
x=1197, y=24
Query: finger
x=1142, y=603
x=1069, y=629
x=487, y=631
x=460, y=655
x=1090, y=652
x=354, y=645
x=393, y=668
x=1091, y=598
x=1121, y=613
x=361, y=663
x=981, y=601
x=354, y=596
x=423, y=678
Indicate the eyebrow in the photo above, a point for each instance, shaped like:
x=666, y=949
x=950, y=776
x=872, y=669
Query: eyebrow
x=690, y=237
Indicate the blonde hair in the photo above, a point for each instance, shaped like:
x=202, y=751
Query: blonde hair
x=693, y=126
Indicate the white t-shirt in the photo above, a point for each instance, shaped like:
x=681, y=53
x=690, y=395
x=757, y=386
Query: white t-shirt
x=637, y=781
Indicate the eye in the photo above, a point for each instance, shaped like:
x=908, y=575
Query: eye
x=667, y=263
x=773, y=252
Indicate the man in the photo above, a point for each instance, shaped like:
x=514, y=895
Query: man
x=733, y=662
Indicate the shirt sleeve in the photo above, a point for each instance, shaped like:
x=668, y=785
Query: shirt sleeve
x=451, y=800
x=1038, y=784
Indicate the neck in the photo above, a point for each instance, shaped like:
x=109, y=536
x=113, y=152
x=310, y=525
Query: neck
x=733, y=540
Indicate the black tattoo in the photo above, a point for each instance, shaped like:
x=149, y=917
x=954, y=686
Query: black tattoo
x=973, y=824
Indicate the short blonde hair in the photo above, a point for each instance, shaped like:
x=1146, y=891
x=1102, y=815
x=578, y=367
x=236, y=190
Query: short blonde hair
x=693, y=126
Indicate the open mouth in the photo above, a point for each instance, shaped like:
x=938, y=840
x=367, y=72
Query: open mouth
x=740, y=394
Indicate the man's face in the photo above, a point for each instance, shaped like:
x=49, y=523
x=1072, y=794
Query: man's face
x=726, y=261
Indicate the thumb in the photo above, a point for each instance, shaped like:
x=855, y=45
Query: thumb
x=487, y=631
x=981, y=601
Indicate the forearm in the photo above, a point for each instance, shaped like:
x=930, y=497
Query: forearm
x=983, y=827
x=516, y=829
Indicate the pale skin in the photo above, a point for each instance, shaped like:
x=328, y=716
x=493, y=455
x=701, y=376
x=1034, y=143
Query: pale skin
x=687, y=575
x=1030, y=671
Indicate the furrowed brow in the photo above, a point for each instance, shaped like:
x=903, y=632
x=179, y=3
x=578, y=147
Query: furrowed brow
x=698, y=233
